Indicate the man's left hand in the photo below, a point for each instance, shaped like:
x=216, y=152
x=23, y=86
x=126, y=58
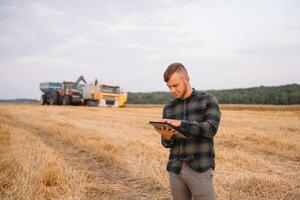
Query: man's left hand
x=173, y=122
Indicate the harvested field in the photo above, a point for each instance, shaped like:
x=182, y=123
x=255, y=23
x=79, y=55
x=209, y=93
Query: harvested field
x=69, y=152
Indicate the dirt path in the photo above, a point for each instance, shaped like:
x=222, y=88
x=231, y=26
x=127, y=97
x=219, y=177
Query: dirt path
x=104, y=181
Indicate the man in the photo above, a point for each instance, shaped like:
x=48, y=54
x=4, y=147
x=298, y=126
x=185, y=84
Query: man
x=191, y=161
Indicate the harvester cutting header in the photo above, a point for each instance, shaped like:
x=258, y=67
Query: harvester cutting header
x=76, y=93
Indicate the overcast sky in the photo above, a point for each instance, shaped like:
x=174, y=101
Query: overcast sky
x=223, y=44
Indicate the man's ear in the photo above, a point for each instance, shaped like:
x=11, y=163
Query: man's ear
x=186, y=79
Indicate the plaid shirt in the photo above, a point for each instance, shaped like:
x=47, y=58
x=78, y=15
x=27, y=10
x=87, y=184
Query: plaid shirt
x=200, y=115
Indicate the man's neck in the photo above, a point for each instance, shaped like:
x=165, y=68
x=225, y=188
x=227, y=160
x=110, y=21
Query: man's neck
x=188, y=93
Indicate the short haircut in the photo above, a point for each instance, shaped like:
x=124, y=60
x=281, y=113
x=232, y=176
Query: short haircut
x=173, y=68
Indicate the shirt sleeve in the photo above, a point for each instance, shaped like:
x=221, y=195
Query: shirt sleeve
x=209, y=127
x=164, y=142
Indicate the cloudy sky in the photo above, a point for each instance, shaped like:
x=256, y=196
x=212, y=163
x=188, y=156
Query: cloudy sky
x=223, y=43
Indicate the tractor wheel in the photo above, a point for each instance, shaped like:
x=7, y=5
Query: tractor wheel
x=53, y=100
x=43, y=99
x=59, y=99
x=66, y=100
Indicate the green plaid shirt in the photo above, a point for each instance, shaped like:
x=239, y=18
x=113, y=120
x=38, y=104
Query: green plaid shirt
x=200, y=115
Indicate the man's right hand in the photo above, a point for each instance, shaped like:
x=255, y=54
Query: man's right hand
x=167, y=133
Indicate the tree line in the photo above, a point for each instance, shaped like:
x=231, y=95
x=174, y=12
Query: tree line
x=21, y=100
x=278, y=95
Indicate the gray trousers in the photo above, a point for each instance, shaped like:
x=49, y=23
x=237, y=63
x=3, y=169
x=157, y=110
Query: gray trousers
x=190, y=183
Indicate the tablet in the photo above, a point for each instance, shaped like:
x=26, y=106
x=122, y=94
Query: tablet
x=177, y=133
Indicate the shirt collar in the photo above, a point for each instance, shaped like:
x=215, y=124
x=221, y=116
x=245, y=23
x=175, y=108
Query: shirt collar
x=189, y=97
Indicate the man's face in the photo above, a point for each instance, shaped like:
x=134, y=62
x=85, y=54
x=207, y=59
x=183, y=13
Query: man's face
x=177, y=85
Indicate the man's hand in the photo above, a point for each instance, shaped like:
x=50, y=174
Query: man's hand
x=173, y=122
x=167, y=133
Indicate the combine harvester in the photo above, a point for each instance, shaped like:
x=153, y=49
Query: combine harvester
x=104, y=95
x=73, y=93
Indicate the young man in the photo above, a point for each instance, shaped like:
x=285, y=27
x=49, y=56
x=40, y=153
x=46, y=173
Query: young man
x=191, y=161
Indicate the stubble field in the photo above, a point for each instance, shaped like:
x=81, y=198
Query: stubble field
x=56, y=152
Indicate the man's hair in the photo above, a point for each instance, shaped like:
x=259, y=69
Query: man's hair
x=174, y=68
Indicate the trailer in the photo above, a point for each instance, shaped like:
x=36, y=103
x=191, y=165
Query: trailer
x=49, y=92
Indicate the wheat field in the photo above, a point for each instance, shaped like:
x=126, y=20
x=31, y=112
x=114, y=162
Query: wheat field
x=57, y=152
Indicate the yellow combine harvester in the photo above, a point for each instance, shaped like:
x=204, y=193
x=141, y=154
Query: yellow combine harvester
x=103, y=95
